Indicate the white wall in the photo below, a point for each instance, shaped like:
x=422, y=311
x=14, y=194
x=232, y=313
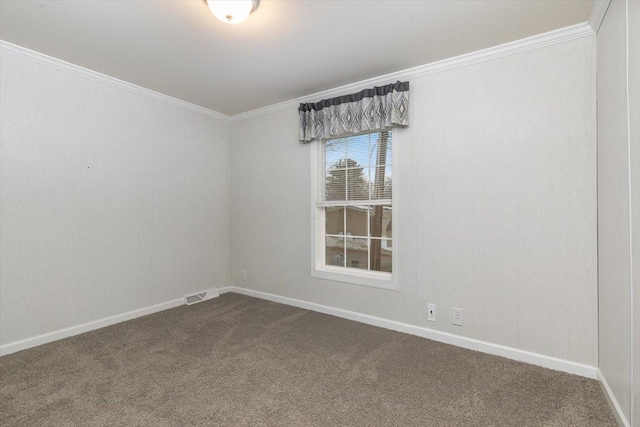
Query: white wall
x=633, y=19
x=619, y=200
x=109, y=201
x=496, y=205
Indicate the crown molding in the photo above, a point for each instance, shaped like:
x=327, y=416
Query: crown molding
x=598, y=12
x=530, y=43
x=60, y=65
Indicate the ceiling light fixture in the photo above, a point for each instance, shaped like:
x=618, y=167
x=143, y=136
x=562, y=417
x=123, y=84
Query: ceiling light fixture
x=232, y=11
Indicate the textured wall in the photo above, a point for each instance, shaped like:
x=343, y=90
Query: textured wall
x=617, y=211
x=496, y=205
x=633, y=20
x=110, y=201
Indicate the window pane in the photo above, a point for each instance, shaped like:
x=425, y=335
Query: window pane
x=335, y=188
x=380, y=151
x=381, y=182
x=359, y=149
x=334, y=220
x=334, y=255
x=383, y=153
x=358, y=168
x=381, y=255
x=357, y=182
x=357, y=253
x=335, y=151
x=357, y=221
x=381, y=221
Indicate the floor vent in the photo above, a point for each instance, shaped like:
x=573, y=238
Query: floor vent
x=192, y=299
x=201, y=296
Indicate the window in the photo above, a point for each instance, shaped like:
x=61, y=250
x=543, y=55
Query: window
x=354, y=210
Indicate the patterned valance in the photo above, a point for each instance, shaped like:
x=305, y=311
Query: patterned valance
x=380, y=108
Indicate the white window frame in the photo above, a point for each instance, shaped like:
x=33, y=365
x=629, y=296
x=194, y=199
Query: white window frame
x=319, y=269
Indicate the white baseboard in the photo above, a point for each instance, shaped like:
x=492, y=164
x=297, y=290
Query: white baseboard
x=100, y=323
x=208, y=294
x=85, y=327
x=225, y=289
x=613, y=402
x=443, y=337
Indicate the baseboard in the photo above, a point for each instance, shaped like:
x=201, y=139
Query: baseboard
x=443, y=337
x=613, y=402
x=100, y=323
x=86, y=327
x=208, y=294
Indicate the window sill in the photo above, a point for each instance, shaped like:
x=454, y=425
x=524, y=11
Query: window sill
x=372, y=279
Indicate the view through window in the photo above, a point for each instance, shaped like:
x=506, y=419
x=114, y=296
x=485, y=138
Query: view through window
x=357, y=201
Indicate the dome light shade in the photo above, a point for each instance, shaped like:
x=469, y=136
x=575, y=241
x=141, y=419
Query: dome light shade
x=232, y=11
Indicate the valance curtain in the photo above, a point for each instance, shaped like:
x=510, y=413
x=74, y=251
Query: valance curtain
x=380, y=108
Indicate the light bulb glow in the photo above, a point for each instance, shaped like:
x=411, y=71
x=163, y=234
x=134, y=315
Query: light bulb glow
x=232, y=11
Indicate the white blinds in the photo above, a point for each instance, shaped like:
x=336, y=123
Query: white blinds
x=356, y=170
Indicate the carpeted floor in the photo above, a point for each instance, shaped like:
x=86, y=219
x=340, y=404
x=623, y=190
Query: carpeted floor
x=237, y=360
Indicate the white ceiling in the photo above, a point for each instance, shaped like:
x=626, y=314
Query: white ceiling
x=285, y=50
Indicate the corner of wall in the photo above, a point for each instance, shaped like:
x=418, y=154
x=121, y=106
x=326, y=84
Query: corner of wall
x=230, y=127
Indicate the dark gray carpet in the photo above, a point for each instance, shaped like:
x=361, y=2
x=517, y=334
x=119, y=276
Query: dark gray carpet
x=237, y=360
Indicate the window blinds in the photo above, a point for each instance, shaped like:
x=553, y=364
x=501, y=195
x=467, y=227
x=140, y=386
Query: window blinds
x=357, y=170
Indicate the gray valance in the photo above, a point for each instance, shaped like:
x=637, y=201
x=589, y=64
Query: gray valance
x=380, y=108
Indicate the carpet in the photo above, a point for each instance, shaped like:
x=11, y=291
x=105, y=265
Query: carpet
x=241, y=361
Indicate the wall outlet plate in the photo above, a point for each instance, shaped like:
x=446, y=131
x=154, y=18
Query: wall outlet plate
x=431, y=310
x=243, y=275
x=457, y=316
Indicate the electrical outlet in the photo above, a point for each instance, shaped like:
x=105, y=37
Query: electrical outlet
x=457, y=316
x=243, y=275
x=431, y=308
